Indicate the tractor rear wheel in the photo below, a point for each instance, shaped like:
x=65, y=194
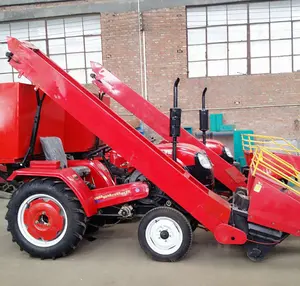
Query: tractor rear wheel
x=46, y=219
x=165, y=234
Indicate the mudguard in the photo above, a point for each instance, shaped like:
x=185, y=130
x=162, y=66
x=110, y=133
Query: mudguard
x=69, y=177
x=99, y=173
x=91, y=200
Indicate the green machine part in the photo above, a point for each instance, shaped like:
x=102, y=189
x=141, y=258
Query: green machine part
x=216, y=123
x=189, y=129
x=237, y=145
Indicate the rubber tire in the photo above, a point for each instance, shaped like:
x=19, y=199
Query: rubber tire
x=94, y=224
x=183, y=223
x=75, y=214
x=258, y=258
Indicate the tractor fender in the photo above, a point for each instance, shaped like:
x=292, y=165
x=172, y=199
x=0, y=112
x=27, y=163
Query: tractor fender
x=99, y=172
x=69, y=177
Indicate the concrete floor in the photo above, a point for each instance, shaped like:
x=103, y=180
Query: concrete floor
x=115, y=258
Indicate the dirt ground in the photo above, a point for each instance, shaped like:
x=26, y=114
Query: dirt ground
x=115, y=258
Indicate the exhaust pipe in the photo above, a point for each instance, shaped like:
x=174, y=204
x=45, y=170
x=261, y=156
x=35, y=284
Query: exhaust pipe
x=175, y=120
x=203, y=117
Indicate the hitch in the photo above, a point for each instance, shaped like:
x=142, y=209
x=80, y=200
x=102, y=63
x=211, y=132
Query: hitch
x=203, y=117
x=175, y=119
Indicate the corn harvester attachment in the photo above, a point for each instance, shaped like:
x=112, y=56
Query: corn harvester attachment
x=48, y=213
x=277, y=145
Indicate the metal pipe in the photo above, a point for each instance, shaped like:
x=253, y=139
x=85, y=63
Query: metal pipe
x=203, y=117
x=214, y=133
x=174, y=148
x=145, y=65
x=245, y=107
x=140, y=50
x=231, y=108
x=35, y=128
x=175, y=93
x=204, y=135
x=203, y=98
x=175, y=116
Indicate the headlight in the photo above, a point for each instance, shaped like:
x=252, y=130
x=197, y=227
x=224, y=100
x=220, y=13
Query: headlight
x=204, y=161
x=228, y=152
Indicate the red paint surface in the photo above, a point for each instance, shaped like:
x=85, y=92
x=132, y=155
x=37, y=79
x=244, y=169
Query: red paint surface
x=227, y=234
x=38, y=229
x=75, y=183
x=215, y=146
x=159, y=122
x=273, y=207
x=99, y=175
x=120, y=194
x=18, y=106
x=129, y=143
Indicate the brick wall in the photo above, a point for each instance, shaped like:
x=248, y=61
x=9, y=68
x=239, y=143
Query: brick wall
x=120, y=46
x=240, y=98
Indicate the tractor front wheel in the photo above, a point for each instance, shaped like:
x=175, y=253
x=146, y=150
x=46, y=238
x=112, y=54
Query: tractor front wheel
x=46, y=219
x=165, y=234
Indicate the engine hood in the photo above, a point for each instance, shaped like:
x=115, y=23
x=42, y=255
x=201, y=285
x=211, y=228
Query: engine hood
x=185, y=152
x=212, y=144
x=215, y=146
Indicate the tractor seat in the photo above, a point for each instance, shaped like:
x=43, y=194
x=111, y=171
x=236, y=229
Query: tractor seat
x=54, y=151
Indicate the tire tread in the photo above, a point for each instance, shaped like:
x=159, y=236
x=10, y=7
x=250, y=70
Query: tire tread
x=187, y=234
x=75, y=213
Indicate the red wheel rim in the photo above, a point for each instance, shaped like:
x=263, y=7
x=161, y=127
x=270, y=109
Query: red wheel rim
x=44, y=219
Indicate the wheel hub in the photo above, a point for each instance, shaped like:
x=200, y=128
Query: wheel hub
x=164, y=234
x=43, y=219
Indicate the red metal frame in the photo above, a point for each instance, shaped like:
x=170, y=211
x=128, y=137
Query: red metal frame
x=290, y=158
x=273, y=207
x=120, y=194
x=269, y=205
x=18, y=106
x=200, y=202
x=18, y=122
x=185, y=155
x=99, y=175
x=45, y=165
x=159, y=122
x=91, y=200
x=67, y=175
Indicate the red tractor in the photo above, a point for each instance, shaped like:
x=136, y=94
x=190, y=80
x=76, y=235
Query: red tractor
x=57, y=136
x=48, y=212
